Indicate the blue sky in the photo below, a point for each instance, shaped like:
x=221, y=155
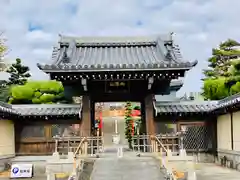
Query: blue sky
x=32, y=27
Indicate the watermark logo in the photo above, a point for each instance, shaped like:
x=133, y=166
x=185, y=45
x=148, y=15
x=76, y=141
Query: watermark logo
x=15, y=170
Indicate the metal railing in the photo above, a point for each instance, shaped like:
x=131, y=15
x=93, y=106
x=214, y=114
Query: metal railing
x=141, y=143
x=158, y=146
x=79, y=149
x=149, y=143
x=169, y=141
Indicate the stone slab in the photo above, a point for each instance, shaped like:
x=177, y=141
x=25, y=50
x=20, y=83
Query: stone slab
x=127, y=168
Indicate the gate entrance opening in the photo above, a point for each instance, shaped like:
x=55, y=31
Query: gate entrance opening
x=110, y=121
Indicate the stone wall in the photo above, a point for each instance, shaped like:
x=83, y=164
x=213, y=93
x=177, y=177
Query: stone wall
x=232, y=159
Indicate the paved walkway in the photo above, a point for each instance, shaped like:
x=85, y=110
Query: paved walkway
x=126, y=168
x=207, y=171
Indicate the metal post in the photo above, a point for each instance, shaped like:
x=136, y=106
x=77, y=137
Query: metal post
x=91, y=146
x=116, y=126
x=144, y=144
x=182, y=133
x=98, y=140
x=56, y=145
x=138, y=140
x=181, y=139
x=68, y=145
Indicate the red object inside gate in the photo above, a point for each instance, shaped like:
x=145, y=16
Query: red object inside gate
x=100, y=120
x=136, y=113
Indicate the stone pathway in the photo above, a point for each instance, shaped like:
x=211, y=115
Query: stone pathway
x=207, y=171
x=213, y=172
x=127, y=168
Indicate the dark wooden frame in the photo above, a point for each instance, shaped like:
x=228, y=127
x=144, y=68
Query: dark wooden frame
x=38, y=145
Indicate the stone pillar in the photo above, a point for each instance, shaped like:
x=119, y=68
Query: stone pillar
x=85, y=125
x=149, y=114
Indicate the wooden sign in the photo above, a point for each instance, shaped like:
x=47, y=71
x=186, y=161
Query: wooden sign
x=117, y=86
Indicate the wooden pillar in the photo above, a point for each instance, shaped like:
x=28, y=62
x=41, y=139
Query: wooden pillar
x=149, y=114
x=85, y=125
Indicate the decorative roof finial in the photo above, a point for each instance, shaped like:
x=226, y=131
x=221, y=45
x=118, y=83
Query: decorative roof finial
x=65, y=58
x=171, y=36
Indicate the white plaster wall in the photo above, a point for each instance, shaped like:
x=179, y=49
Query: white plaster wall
x=236, y=131
x=224, y=132
x=7, y=138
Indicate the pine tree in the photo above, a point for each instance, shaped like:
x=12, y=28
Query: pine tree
x=223, y=76
x=220, y=62
x=19, y=73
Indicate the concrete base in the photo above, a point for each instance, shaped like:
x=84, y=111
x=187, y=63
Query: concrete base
x=70, y=156
x=232, y=158
x=55, y=156
x=181, y=158
x=60, y=166
x=203, y=157
x=183, y=153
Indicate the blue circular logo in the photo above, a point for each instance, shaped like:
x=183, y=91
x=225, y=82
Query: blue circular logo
x=15, y=170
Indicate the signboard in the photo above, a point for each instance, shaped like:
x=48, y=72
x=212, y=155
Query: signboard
x=21, y=171
x=117, y=86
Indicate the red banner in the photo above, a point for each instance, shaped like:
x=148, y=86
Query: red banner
x=136, y=113
x=100, y=120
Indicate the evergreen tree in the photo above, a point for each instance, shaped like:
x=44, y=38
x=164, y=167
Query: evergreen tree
x=223, y=76
x=18, y=73
x=221, y=59
x=37, y=92
x=128, y=124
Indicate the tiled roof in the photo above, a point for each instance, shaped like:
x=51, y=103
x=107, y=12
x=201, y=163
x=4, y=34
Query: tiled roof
x=41, y=109
x=229, y=101
x=6, y=108
x=185, y=107
x=170, y=107
x=116, y=53
x=47, y=109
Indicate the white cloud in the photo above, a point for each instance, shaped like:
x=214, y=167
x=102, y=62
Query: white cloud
x=199, y=25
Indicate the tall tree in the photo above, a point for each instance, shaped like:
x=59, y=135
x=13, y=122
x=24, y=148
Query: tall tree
x=19, y=73
x=223, y=76
x=221, y=59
